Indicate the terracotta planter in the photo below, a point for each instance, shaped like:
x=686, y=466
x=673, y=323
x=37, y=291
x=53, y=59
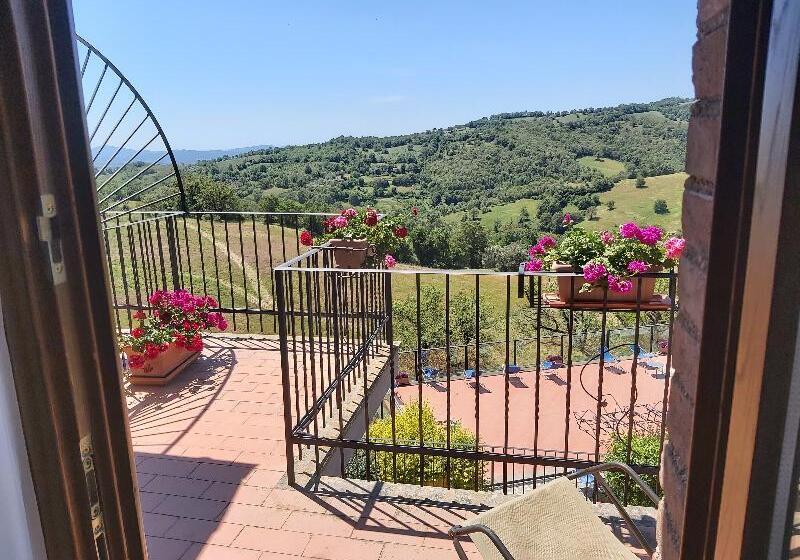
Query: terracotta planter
x=596, y=294
x=163, y=368
x=351, y=253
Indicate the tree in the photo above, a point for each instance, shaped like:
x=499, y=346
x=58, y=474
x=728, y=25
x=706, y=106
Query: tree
x=591, y=213
x=660, y=206
x=505, y=258
x=205, y=194
x=640, y=182
x=467, y=244
x=611, y=204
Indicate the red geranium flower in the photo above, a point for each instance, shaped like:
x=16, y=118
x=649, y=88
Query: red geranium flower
x=138, y=332
x=400, y=231
x=306, y=238
x=139, y=315
x=415, y=210
x=371, y=218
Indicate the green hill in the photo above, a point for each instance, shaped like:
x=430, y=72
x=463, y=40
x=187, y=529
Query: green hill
x=487, y=162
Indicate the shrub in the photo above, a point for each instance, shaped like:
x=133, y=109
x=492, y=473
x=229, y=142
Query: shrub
x=611, y=204
x=462, y=471
x=640, y=182
x=660, y=206
x=644, y=451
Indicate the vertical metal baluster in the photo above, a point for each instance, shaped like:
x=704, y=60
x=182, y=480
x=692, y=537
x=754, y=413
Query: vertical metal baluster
x=285, y=383
x=124, y=269
x=601, y=372
x=362, y=296
x=300, y=276
x=188, y=254
x=328, y=280
x=216, y=261
x=477, y=373
x=506, y=382
x=338, y=363
x=313, y=312
x=161, y=255
x=271, y=267
x=230, y=276
x=202, y=254
x=175, y=250
x=258, y=278
x=387, y=282
x=151, y=255
x=244, y=278
x=632, y=403
x=320, y=312
x=292, y=333
x=135, y=267
x=447, y=372
x=112, y=279
x=570, y=328
x=538, y=371
x=143, y=262
x=420, y=382
x=668, y=365
x=283, y=239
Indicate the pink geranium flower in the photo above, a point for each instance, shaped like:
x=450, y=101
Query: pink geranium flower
x=592, y=272
x=650, y=235
x=638, y=266
x=607, y=238
x=674, y=247
x=629, y=230
x=547, y=242
x=619, y=285
x=389, y=261
x=349, y=213
x=567, y=219
x=533, y=265
x=339, y=222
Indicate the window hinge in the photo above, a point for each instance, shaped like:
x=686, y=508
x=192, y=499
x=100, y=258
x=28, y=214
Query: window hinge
x=50, y=233
x=95, y=506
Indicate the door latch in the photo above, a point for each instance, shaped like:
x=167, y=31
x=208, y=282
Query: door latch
x=50, y=233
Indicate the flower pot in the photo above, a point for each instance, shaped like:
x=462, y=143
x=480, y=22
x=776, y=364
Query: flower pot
x=351, y=253
x=163, y=368
x=569, y=288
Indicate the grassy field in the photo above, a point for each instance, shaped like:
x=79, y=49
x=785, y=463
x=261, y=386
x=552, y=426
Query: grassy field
x=502, y=212
x=632, y=204
x=608, y=167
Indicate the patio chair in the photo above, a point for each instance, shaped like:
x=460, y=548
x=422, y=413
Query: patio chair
x=608, y=357
x=513, y=369
x=553, y=522
x=429, y=373
x=639, y=352
x=547, y=364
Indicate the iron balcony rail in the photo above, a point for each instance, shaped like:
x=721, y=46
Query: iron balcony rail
x=228, y=255
x=347, y=405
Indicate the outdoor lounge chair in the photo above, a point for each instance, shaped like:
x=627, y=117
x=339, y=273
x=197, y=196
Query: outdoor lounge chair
x=469, y=374
x=513, y=369
x=553, y=522
x=639, y=352
x=608, y=357
x=429, y=373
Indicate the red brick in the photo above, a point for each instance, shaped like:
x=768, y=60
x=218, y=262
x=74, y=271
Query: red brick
x=708, y=70
x=702, y=147
x=340, y=548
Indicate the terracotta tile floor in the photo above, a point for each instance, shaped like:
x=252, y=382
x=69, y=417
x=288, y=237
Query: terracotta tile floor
x=210, y=458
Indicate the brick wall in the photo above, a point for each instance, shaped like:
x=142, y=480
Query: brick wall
x=708, y=64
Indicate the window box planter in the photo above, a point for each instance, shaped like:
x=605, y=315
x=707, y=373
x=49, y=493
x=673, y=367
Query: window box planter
x=163, y=368
x=351, y=253
x=569, y=288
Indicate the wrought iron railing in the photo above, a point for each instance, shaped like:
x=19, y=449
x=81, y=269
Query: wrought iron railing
x=345, y=333
x=227, y=255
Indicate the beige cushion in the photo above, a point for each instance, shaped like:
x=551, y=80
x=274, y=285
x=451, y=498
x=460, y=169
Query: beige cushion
x=554, y=522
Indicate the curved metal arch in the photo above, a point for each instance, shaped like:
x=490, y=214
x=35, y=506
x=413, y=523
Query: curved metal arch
x=107, y=202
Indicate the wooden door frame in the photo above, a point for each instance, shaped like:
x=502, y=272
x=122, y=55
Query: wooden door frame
x=770, y=306
x=60, y=334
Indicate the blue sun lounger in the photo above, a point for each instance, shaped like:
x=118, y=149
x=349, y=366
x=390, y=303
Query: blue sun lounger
x=429, y=373
x=608, y=357
x=639, y=352
x=469, y=374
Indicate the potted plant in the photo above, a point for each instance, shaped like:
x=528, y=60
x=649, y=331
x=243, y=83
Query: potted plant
x=170, y=337
x=607, y=260
x=360, y=238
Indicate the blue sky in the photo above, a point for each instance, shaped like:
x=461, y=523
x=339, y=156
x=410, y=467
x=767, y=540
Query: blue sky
x=238, y=73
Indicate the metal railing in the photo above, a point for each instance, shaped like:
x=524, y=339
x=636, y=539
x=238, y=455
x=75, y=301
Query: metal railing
x=227, y=255
x=344, y=395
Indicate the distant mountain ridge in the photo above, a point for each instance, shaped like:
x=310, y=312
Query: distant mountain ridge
x=181, y=156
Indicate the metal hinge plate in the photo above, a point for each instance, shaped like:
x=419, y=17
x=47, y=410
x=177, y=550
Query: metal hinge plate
x=50, y=233
x=95, y=507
